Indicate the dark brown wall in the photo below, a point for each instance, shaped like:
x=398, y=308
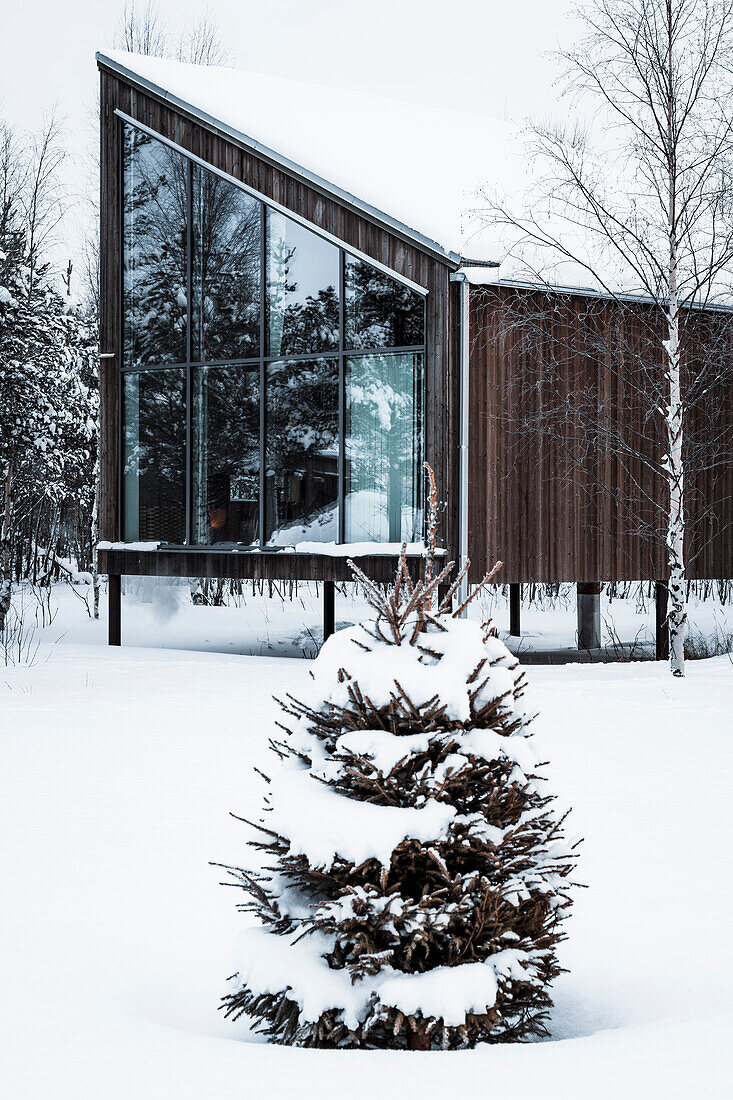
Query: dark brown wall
x=335, y=217
x=280, y=566
x=547, y=499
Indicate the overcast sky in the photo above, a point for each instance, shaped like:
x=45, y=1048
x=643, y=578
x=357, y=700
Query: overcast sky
x=482, y=54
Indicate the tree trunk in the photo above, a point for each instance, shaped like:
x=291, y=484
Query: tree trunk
x=6, y=563
x=677, y=613
x=95, y=540
x=677, y=607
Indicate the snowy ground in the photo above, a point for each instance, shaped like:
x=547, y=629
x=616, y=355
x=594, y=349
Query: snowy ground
x=160, y=614
x=117, y=769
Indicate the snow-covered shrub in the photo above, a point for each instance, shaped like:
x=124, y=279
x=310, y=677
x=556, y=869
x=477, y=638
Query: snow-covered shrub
x=416, y=871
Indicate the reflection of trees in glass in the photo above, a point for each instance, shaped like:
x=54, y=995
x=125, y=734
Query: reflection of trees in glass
x=302, y=451
x=155, y=266
x=226, y=270
x=311, y=325
x=302, y=299
x=302, y=272
x=154, y=469
x=379, y=311
x=383, y=448
x=226, y=454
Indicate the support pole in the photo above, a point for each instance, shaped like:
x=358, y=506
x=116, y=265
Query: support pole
x=589, y=615
x=329, y=609
x=661, y=596
x=114, y=609
x=464, y=359
x=515, y=610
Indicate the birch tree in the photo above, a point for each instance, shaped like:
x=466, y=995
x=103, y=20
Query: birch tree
x=639, y=199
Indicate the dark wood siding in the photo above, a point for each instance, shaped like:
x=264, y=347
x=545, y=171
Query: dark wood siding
x=333, y=216
x=545, y=498
x=283, y=565
x=109, y=320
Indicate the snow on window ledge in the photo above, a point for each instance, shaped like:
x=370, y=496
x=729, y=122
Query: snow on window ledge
x=128, y=545
x=360, y=549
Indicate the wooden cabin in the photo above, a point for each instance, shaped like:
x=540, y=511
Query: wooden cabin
x=280, y=355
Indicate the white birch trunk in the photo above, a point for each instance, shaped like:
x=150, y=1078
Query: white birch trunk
x=677, y=607
x=677, y=604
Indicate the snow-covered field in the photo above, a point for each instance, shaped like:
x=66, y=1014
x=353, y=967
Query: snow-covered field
x=160, y=614
x=117, y=772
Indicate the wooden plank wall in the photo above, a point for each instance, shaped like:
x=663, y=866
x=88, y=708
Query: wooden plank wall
x=279, y=566
x=547, y=500
x=351, y=227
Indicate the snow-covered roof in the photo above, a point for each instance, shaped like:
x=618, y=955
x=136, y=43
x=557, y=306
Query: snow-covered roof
x=414, y=167
x=417, y=169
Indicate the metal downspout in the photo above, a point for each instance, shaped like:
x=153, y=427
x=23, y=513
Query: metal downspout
x=464, y=380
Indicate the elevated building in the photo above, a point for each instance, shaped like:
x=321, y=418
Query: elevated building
x=297, y=312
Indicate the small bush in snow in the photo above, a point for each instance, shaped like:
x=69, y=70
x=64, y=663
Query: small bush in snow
x=416, y=872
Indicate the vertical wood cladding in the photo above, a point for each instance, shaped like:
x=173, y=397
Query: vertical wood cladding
x=349, y=226
x=110, y=339
x=557, y=502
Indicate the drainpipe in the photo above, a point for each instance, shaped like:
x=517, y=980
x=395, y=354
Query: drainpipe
x=464, y=368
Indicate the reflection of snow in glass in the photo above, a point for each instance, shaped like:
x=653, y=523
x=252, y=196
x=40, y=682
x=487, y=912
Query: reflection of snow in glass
x=368, y=520
x=384, y=399
x=321, y=526
x=383, y=447
x=302, y=450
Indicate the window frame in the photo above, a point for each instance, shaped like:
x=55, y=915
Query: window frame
x=340, y=353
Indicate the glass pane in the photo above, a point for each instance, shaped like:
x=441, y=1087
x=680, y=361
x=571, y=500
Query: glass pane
x=384, y=448
x=154, y=252
x=302, y=452
x=302, y=289
x=226, y=454
x=379, y=311
x=154, y=453
x=226, y=270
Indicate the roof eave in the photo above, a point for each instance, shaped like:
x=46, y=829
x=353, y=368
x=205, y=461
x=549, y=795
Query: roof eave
x=600, y=295
x=330, y=189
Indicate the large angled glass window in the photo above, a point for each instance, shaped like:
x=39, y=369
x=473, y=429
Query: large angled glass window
x=226, y=454
x=302, y=429
x=155, y=275
x=154, y=453
x=197, y=278
x=383, y=498
x=379, y=311
x=302, y=289
x=226, y=262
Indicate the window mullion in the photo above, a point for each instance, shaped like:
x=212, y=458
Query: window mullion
x=342, y=405
x=189, y=356
x=120, y=334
